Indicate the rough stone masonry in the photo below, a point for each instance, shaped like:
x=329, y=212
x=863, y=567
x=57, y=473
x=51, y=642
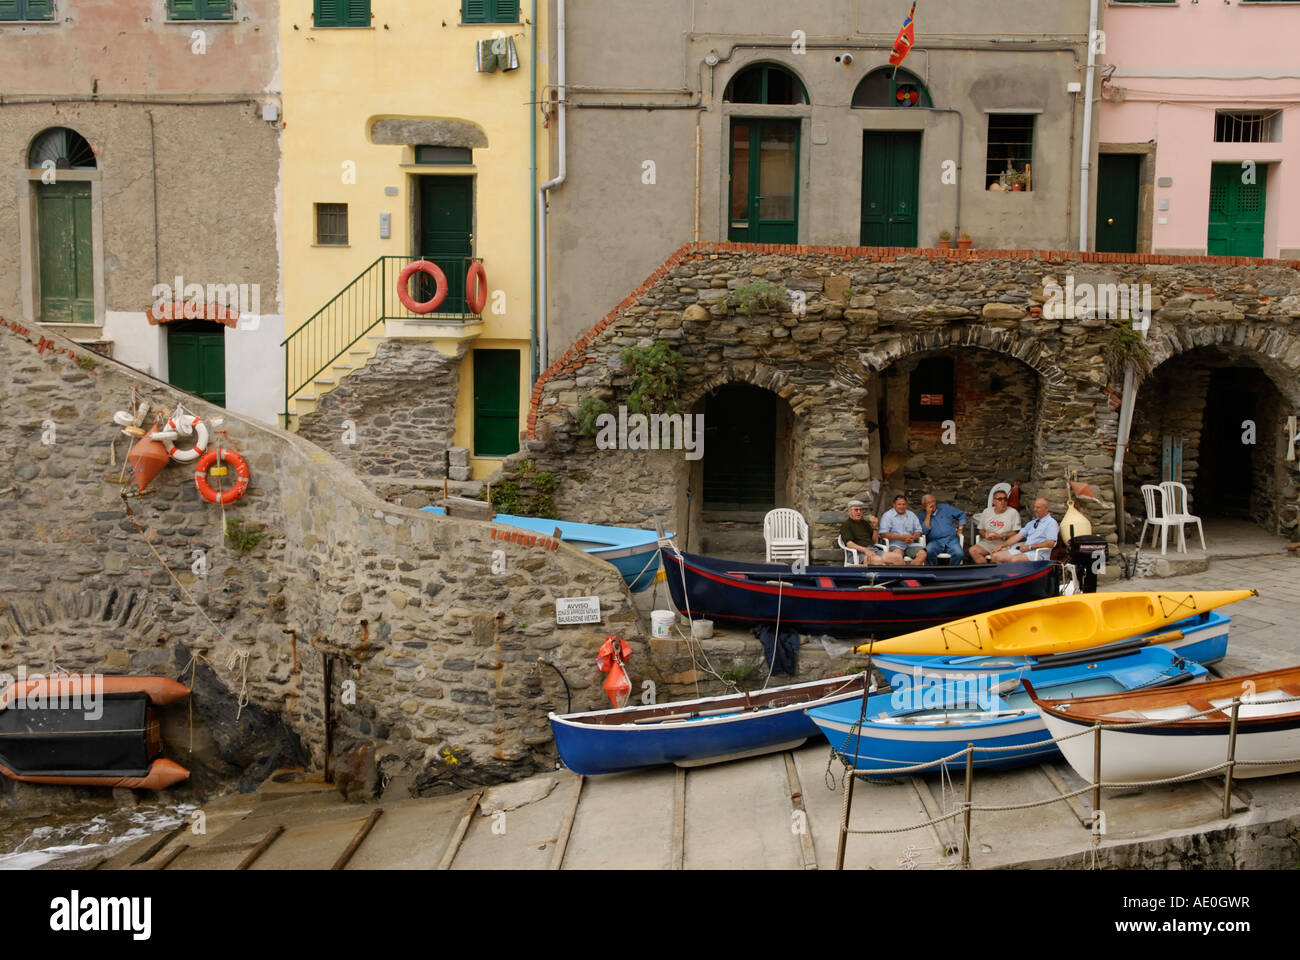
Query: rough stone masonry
x=434, y=656
x=1041, y=385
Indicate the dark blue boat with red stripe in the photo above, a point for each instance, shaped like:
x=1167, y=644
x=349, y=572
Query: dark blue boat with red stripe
x=849, y=601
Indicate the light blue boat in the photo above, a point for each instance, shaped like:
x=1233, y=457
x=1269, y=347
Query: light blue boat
x=1204, y=639
x=927, y=718
x=634, y=553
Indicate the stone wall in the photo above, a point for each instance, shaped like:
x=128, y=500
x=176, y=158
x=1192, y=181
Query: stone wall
x=402, y=407
x=432, y=650
x=868, y=312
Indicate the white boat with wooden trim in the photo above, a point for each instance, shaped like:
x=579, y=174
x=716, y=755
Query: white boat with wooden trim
x=1184, y=737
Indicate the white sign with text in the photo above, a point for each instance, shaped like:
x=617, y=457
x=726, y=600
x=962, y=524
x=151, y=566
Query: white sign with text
x=569, y=610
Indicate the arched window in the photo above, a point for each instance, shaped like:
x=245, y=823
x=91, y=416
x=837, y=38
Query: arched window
x=67, y=148
x=765, y=83
x=881, y=88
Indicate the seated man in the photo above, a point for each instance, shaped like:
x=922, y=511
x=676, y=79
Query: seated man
x=858, y=534
x=901, y=530
x=995, y=526
x=941, y=523
x=1034, y=541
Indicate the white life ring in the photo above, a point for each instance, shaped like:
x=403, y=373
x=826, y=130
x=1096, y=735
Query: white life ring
x=184, y=426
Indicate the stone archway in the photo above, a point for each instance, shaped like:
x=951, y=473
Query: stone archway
x=1206, y=416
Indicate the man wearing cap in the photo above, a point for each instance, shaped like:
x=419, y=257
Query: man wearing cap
x=901, y=529
x=857, y=534
x=1035, y=539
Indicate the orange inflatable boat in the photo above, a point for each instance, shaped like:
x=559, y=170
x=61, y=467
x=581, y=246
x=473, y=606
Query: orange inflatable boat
x=88, y=730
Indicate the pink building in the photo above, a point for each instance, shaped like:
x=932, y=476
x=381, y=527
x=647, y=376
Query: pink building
x=1200, y=128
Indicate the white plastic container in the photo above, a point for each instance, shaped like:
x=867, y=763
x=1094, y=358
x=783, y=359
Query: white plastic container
x=702, y=629
x=661, y=623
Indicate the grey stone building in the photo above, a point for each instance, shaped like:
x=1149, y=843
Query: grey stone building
x=141, y=164
x=784, y=123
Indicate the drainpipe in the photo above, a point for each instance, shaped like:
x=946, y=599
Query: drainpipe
x=532, y=210
x=1126, y=403
x=548, y=185
x=1085, y=162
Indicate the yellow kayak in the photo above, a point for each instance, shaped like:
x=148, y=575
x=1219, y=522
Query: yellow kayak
x=1057, y=624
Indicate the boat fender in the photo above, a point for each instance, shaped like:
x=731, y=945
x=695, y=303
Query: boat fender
x=610, y=659
x=404, y=293
x=211, y=459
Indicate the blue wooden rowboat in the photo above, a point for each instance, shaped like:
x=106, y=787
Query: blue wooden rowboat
x=1202, y=638
x=697, y=732
x=633, y=552
x=849, y=601
x=922, y=723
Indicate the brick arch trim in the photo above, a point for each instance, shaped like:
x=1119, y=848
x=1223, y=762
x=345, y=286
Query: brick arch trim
x=1027, y=350
x=1276, y=352
x=574, y=357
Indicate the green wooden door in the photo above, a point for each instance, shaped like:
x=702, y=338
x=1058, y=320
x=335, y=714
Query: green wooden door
x=446, y=236
x=1117, y=202
x=1236, y=223
x=764, y=181
x=891, y=181
x=65, y=250
x=496, y=403
x=196, y=359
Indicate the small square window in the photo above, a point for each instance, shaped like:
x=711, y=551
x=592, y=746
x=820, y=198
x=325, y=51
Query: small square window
x=1011, y=150
x=200, y=10
x=489, y=11
x=332, y=224
x=930, y=390
x=427, y=154
x=26, y=10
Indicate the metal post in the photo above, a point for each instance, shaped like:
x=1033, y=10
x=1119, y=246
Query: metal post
x=1232, y=757
x=1096, y=772
x=844, y=821
x=965, y=834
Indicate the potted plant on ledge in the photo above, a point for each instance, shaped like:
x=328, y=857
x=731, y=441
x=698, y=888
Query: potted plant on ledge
x=945, y=239
x=963, y=241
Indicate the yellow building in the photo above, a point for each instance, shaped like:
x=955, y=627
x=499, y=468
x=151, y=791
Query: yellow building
x=410, y=132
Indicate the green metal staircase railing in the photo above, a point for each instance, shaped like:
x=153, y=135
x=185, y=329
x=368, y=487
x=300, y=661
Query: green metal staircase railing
x=369, y=300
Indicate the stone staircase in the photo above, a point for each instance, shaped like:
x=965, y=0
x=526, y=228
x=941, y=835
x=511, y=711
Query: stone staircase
x=356, y=356
x=734, y=534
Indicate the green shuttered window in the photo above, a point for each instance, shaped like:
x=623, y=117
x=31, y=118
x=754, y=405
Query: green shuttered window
x=26, y=9
x=342, y=13
x=489, y=11
x=199, y=10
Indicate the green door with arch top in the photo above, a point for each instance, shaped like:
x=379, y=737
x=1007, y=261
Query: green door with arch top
x=891, y=183
x=764, y=185
x=64, y=246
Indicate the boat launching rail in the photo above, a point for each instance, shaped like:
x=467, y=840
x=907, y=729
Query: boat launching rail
x=966, y=807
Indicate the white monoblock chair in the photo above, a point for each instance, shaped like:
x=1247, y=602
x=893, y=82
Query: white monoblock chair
x=852, y=558
x=785, y=532
x=1177, y=511
x=1154, y=498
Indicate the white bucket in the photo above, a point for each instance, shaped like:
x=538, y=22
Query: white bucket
x=702, y=629
x=661, y=623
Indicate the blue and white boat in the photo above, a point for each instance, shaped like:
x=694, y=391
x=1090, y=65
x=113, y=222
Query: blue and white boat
x=1202, y=638
x=634, y=553
x=693, y=733
x=923, y=721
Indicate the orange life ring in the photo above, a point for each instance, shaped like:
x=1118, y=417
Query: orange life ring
x=476, y=293
x=201, y=476
x=404, y=295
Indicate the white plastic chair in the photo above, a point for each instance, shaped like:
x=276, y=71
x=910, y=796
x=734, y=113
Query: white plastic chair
x=785, y=532
x=1177, y=504
x=997, y=487
x=851, y=556
x=1155, y=515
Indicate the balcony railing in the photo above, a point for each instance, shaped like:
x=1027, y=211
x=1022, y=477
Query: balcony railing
x=369, y=300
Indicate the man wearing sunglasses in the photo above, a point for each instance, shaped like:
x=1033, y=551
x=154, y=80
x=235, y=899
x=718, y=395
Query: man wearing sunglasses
x=996, y=526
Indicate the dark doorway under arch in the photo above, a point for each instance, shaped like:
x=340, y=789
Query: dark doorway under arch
x=745, y=431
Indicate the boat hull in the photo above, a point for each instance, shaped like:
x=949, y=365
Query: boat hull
x=600, y=748
x=1204, y=640
x=915, y=725
x=847, y=602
